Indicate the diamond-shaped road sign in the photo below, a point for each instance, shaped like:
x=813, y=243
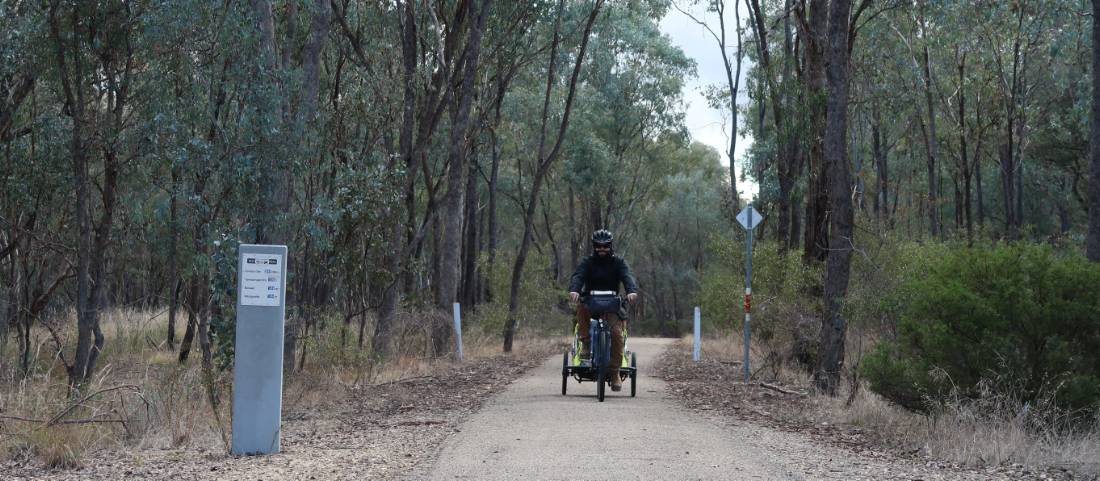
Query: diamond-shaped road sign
x=749, y=218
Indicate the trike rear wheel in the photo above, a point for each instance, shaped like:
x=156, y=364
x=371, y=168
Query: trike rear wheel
x=633, y=374
x=601, y=373
x=564, y=372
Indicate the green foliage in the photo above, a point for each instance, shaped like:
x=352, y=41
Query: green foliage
x=541, y=301
x=223, y=289
x=880, y=267
x=668, y=245
x=781, y=287
x=1023, y=316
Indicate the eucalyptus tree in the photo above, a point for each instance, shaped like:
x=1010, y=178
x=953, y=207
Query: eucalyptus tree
x=733, y=74
x=777, y=87
x=841, y=216
x=631, y=100
x=509, y=56
x=197, y=129
x=447, y=288
x=95, y=65
x=1094, y=139
x=669, y=245
x=547, y=152
x=430, y=58
x=20, y=219
x=285, y=107
x=1016, y=35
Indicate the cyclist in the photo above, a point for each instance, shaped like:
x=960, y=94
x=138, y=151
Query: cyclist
x=603, y=271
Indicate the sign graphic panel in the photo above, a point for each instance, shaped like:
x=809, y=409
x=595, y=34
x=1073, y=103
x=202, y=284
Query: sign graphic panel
x=261, y=276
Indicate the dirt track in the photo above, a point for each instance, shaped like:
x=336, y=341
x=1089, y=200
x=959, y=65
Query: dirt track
x=530, y=431
x=505, y=418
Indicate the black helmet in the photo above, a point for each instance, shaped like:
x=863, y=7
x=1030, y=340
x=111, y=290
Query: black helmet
x=602, y=238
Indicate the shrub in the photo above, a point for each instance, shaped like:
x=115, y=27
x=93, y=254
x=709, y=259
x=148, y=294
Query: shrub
x=779, y=284
x=542, y=301
x=1021, y=316
x=784, y=321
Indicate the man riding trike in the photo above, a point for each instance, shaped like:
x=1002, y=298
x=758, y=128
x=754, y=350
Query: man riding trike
x=601, y=317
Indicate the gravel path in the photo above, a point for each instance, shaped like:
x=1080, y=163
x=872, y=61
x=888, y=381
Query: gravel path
x=505, y=418
x=530, y=431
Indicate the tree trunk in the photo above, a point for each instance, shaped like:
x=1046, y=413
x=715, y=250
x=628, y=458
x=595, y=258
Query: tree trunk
x=92, y=240
x=71, y=84
x=381, y=342
x=857, y=138
x=300, y=325
x=882, y=169
x=932, y=149
x=733, y=79
x=574, y=239
x=787, y=164
x=815, y=241
x=978, y=187
x=273, y=198
x=493, y=222
x=173, y=264
x=494, y=175
x=192, y=319
x=206, y=348
x=1092, y=243
x=447, y=288
x=1008, y=187
x=320, y=20
x=837, y=267
x=274, y=194
x=787, y=231
x=470, y=244
x=13, y=295
x=964, y=161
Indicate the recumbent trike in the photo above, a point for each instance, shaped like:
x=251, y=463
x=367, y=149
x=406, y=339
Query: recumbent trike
x=599, y=303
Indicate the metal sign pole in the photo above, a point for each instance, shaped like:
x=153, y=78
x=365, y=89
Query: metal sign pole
x=748, y=294
x=258, y=355
x=749, y=218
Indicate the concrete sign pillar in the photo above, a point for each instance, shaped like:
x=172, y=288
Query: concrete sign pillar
x=258, y=356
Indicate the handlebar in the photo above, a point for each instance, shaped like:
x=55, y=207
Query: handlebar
x=624, y=299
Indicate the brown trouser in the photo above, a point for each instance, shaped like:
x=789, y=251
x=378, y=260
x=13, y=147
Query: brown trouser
x=615, y=325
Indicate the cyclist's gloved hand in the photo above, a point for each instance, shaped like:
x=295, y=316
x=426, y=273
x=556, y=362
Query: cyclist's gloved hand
x=633, y=296
x=574, y=296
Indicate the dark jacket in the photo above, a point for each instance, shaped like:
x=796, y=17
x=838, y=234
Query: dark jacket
x=597, y=273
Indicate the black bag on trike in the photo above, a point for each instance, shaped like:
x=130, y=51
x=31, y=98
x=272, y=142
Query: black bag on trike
x=602, y=302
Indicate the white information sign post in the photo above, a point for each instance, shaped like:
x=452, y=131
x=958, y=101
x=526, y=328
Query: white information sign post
x=696, y=345
x=258, y=355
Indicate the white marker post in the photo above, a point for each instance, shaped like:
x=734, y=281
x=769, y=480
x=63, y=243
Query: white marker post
x=458, y=329
x=749, y=219
x=698, y=336
x=258, y=356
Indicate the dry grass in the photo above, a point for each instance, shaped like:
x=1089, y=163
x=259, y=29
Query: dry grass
x=994, y=430
x=766, y=363
x=997, y=429
x=141, y=397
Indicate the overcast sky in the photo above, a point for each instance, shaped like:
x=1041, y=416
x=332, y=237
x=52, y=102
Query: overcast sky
x=708, y=125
